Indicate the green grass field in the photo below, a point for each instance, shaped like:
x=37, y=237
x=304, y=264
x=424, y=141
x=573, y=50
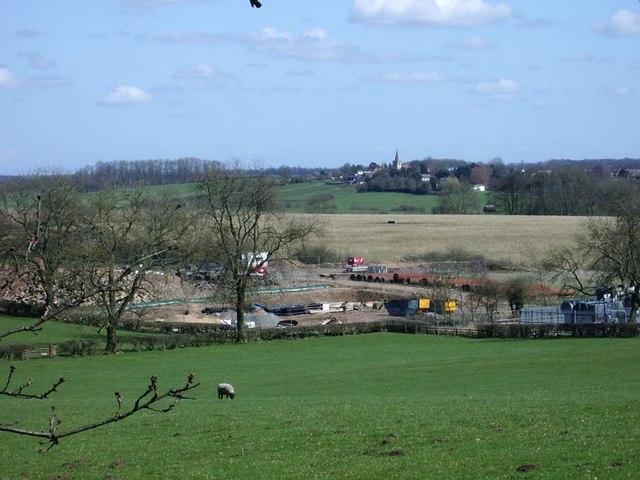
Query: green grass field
x=379, y=406
x=345, y=199
x=297, y=198
x=52, y=331
x=55, y=332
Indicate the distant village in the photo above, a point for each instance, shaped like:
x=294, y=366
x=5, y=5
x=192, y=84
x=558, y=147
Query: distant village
x=360, y=176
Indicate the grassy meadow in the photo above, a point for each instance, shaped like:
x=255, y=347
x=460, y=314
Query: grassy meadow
x=379, y=406
x=298, y=198
x=52, y=332
x=359, y=225
x=379, y=227
x=509, y=239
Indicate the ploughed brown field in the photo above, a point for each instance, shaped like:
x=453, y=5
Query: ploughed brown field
x=509, y=239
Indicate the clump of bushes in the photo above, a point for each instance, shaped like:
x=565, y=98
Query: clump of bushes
x=74, y=348
x=12, y=351
x=452, y=254
x=316, y=255
x=408, y=209
x=322, y=202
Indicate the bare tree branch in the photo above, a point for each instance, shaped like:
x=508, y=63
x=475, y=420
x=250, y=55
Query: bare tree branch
x=19, y=392
x=148, y=400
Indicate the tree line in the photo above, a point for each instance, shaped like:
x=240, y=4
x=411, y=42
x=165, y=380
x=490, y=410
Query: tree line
x=554, y=187
x=565, y=189
x=557, y=187
x=168, y=172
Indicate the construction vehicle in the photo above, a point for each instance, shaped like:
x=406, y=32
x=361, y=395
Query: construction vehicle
x=355, y=264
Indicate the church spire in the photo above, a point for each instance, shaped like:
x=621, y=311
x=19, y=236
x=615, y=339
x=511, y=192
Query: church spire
x=397, y=164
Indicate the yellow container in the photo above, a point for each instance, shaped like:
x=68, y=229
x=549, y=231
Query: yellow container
x=424, y=304
x=450, y=306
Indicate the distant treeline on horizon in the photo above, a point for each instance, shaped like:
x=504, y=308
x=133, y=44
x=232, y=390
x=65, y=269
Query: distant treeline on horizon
x=190, y=169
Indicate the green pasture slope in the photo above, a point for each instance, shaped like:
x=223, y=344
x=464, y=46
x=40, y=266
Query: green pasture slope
x=298, y=198
x=345, y=199
x=53, y=332
x=378, y=406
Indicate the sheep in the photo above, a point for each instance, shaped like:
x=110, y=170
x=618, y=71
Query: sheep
x=224, y=389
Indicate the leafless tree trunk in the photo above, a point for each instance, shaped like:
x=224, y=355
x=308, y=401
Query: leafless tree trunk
x=131, y=233
x=248, y=228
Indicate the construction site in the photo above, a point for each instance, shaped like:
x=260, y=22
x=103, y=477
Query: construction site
x=440, y=293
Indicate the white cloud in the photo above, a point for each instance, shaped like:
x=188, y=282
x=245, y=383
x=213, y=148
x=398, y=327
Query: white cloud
x=315, y=44
x=270, y=33
x=458, y=13
x=502, y=86
x=587, y=58
x=7, y=78
x=134, y=6
x=414, y=77
x=201, y=71
x=620, y=92
x=473, y=43
x=201, y=38
x=621, y=23
x=125, y=95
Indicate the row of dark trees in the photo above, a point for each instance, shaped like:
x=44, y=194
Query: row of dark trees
x=564, y=190
x=557, y=187
x=144, y=172
x=169, y=172
x=403, y=181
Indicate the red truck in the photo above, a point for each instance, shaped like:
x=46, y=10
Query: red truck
x=355, y=261
x=356, y=264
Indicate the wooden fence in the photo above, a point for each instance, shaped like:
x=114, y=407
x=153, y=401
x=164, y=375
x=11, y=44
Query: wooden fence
x=50, y=350
x=27, y=352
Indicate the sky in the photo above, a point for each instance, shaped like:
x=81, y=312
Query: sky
x=316, y=83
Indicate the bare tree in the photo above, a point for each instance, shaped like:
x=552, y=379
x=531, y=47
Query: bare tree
x=517, y=293
x=606, y=255
x=45, y=234
x=456, y=197
x=43, y=217
x=130, y=235
x=247, y=228
x=486, y=296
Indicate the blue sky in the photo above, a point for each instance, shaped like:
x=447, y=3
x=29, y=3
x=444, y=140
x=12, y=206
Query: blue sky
x=317, y=83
